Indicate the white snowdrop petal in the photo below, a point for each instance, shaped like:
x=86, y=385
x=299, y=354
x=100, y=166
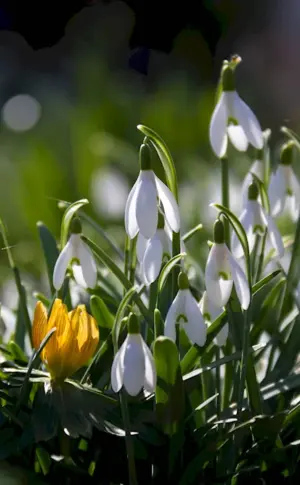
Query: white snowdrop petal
x=150, y=371
x=275, y=236
x=152, y=260
x=117, y=369
x=277, y=192
x=61, y=265
x=240, y=282
x=131, y=225
x=78, y=275
x=248, y=121
x=134, y=365
x=170, y=205
x=218, y=289
x=195, y=327
x=222, y=336
x=258, y=169
x=146, y=205
x=218, y=127
x=141, y=245
x=237, y=137
x=295, y=205
x=175, y=309
x=88, y=265
x=208, y=308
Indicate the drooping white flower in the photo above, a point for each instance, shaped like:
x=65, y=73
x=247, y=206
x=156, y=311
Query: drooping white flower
x=133, y=365
x=233, y=118
x=284, y=186
x=151, y=253
x=141, y=211
x=255, y=221
x=222, y=271
x=78, y=250
x=210, y=312
x=185, y=311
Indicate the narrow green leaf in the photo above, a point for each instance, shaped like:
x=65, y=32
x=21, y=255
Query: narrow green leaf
x=291, y=135
x=188, y=235
x=44, y=459
x=50, y=251
x=167, y=270
x=23, y=310
x=264, y=281
x=169, y=389
x=165, y=157
x=67, y=218
x=202, y=405
x=35, y=356
x=102, y=315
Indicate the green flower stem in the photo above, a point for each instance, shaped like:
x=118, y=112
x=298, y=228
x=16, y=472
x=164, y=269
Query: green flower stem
x=218, y=383
x=132, y=276
x=227, y=377
x=225, y=195
x=261, y=257
x=127, y=257
x=176, y=270
x=128, y=439
x=254, y=257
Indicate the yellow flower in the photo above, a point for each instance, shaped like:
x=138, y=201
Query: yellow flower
x=72, y=344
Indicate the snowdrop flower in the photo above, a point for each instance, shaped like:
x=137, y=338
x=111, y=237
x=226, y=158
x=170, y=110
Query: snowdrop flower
x=141, y=211
x=284, y=184
x=133, y=366
x=185, y=312
x=233, y=118
x=210, y=312
x=257, y=168
x=222, y=271
x=255, y=221
x=75, y=249
x=151, y=252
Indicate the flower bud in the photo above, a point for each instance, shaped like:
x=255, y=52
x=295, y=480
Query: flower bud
x=183, y=281
x=75, y=226
x=253, y=191
x=219, y=236
x=133, y=324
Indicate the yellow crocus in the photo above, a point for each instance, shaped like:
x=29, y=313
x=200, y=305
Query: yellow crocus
x=73, y=342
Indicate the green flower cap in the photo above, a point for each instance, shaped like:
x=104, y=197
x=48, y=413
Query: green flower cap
x=288, y=152
x=145, y=157
x=183, y=281
x=219, y=236
x=253, y=191
x=75, y=226
x=133, y=324
x=227, y=78
x=161, y=221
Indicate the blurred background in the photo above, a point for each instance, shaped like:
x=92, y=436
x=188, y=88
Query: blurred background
x=75, y=83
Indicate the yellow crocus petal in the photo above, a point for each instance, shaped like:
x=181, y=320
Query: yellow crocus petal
x=52, y=352
x=39, y=326
x=89, y=329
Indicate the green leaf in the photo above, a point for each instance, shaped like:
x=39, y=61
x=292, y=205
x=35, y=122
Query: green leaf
x=291, y=135
x=67, y=218
x=165, y=157
x=44, y=459
x=167, y=270
x=264, y=281
x=169, y=389
x=50, y=251
x=23, y=315
x=102, y=315
x=188, y=235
